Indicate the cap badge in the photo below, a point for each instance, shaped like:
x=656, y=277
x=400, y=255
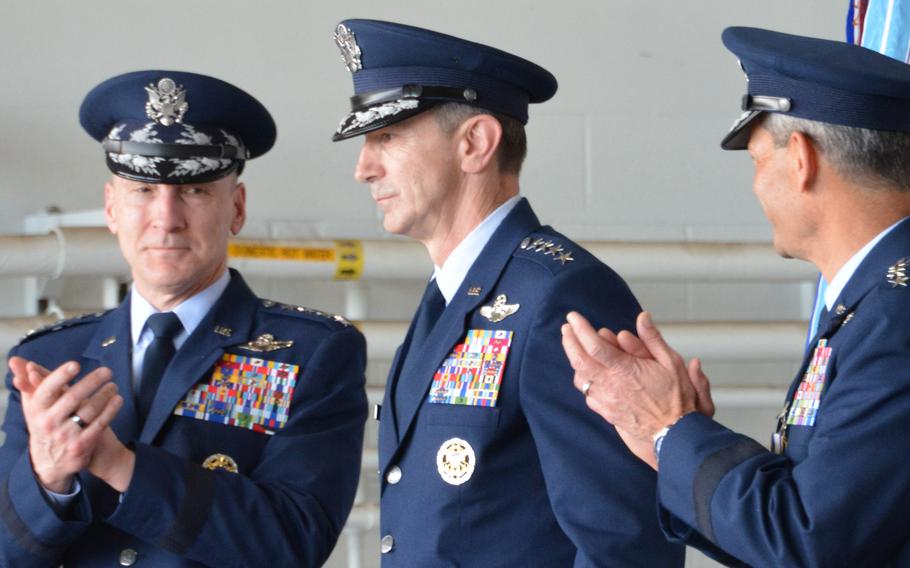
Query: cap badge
x=220, y=461
x=455, y=461
x=897, y=273
x=350, y=51
x=500, y=310
x=266, y=343
x=167, y=102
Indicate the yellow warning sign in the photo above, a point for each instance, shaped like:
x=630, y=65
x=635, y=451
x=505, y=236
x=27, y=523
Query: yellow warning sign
x=347, y=255
x=350, y=260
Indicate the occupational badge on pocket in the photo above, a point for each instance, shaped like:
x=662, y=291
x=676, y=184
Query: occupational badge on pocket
x=472, y=373
x=220, y=461
x=245, y=392
x=455, y=461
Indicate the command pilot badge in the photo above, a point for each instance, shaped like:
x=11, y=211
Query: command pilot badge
x=167, y=102
x=500, y=310
x=455, y=461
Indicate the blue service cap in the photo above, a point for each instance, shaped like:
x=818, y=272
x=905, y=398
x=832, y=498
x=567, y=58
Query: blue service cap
x=175, y=127
x=817, y=79
x=400, y=71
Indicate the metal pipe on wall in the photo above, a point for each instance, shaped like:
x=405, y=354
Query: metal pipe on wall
x=94, y=251
x=713, y=341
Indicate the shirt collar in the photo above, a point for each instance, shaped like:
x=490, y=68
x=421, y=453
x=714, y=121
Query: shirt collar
x=453, y=271
x=846, y=272
x=190, y=311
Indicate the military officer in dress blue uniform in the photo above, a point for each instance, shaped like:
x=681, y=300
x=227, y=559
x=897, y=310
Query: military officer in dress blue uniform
x=487, y=457
x=828, y=128
x=195, y=424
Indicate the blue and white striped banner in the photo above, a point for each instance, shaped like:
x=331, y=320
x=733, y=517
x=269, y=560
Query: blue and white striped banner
x=886, y=28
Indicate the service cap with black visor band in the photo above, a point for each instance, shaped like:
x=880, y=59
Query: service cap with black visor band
x=175, y=127
x=816, y=79
x=400, y=71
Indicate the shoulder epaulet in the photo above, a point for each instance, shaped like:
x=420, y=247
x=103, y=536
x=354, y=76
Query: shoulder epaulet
x=60, y=324
x=897, y=273
x=271, y=304
x=546, y=248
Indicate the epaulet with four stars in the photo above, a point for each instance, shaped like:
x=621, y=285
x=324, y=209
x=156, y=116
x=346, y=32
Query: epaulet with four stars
x=60, y=324
x=546, y=248
x=305, y=311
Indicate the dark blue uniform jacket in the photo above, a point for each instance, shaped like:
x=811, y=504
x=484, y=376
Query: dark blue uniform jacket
x=840, y=493
x=550, y=483
x=293, y=490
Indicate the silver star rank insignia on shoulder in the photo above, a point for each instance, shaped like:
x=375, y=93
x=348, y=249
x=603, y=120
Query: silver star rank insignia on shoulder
x=897, y=273
x=266, y=343
x=500, y=310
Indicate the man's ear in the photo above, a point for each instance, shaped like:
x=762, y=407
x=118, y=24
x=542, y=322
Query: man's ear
x=239, y=208
x=802, y=161
x=478, y=143
x=109, y=215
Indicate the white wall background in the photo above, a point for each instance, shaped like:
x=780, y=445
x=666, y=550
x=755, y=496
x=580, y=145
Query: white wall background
x=628, y=148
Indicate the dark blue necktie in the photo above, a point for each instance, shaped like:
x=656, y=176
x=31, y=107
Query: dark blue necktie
x=431, y=307
x=165, y=326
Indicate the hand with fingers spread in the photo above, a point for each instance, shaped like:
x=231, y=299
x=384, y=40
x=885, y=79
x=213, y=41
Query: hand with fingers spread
x=638, y=384
x=65, y=422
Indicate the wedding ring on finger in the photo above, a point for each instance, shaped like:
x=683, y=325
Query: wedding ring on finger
x=585, y=388
x=75, y=419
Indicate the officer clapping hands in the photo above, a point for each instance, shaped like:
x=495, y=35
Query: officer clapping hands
x=638, y=384
x=68, y=425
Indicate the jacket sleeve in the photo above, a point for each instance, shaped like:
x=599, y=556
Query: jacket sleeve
x=34, y=532
x=843, y=503
x=603, y=496
x=290, y=509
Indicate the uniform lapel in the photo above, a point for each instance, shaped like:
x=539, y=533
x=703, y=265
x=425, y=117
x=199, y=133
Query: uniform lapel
x=111, y=346
x=234, y=311
x=871, y=272
x=417, y=371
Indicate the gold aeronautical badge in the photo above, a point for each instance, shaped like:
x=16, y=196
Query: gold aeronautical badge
x=220, y=461
x=455, y=461
x=500, y=310
x=266, y=343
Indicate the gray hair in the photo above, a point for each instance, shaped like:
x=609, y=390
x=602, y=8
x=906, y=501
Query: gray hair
x=513, y=146
x=874, y=158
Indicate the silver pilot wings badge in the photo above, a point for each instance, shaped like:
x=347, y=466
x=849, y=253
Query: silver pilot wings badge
x=500, y=310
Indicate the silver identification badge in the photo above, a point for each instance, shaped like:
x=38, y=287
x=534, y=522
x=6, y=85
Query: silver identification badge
x=167, y=102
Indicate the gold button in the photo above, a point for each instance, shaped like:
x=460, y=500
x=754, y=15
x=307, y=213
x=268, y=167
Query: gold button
x=128, y=557
x=387, y=544
x=394, y=475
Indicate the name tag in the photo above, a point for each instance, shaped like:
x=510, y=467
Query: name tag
x=807, y=398
x=472, y=373
x=245, y=392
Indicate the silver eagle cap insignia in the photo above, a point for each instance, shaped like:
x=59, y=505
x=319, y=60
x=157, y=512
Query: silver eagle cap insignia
x=500, y=310
x=266, y=343
x=167, y=102
x=350, y=51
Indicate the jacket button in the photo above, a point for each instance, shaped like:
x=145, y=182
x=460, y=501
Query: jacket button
x=387, y=544
x=128, y=557
x=394, y=475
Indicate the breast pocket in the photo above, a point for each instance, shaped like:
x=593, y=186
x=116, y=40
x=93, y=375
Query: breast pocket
x=462, y=415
